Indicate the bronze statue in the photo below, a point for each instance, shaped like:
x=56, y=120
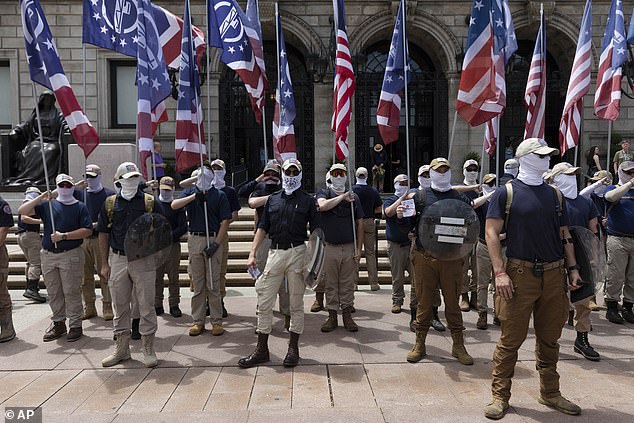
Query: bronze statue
x=24, y=140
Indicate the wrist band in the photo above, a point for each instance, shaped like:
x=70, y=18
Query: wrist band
x=500, y=274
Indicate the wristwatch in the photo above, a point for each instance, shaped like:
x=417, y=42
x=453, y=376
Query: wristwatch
x=64, y=236
x=575, y=267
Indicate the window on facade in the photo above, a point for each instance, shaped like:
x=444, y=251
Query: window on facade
x=5, y=100
x=123, y=98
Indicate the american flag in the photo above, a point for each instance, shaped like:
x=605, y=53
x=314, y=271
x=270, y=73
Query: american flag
x=111, y=24
x=477, y=82
x=153, y=82
x=254, y=31
x=283, y=129
x=607, y=97
x=535, y=95
x=45, y=69
x=388, y=113
x=228, y=31
x=344, y=83
x=578, y=86
x=189, y=113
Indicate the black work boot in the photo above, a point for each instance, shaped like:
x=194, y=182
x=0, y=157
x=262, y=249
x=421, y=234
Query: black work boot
x=412, y=321
x=135, y=329
x=583, y=347
x=330, y=324
x=613, y=314
x=55, y=331
x=348, y=323
x=626, y=312
x=435, y=321
x=224, y=310
x=292, y=356
x=571, y=317
x=32, y=291
x=260, y=355
x=473, y=301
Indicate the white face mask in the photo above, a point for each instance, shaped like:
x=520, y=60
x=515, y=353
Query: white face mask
x=30, y=196
x=512, y=171
x=487, y=189
x=65, y=195
x=470, y=178
x=440, y=181
x=166, y=195
x=624, y=178
x=205, y=179
x=532, y=169
x=129, y=187
x=362, y=181
x=423, y=182
x=600, y=191
x=567, y=184
x=94, y=184
x=117, y=187
x=219, y=178
x=290, y=184
x=338, y=183
x=399, y=189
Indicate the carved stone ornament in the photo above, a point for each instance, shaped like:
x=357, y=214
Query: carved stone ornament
x=533, y=10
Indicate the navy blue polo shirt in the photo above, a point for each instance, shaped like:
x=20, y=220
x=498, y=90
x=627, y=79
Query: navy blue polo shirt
x=27, y=227
x=262, y=190
x=176, y=218
x=481, y=212
x=337, y=222
x=124, y=213
x=218, y=209
x=580, y=211
x=232, y=196
x=68, y=217
x=533, y=231
x=621, y=214
x=6, y=215
x=396, y=229
x=369, y=197
x=432, y=196
x=94, y=200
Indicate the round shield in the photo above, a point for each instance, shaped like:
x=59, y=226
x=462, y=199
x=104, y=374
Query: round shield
x=448, y=229
x=590, y=256
x=149, y=235
x=314, y=258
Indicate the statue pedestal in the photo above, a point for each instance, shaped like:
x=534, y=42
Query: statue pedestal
x=107, y=156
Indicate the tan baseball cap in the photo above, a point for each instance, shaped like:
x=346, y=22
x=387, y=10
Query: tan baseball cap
x=273, y=165
x=562, y=168
x=535, y=145
x=600, y=175
x=93, y=170
x=439, y=162
x=400, y=178
x=62, y=177
x=488, y=178
x=218, y=162
x=338, y=166
x=423, y=169
x=167, y=182
x=470, y=162
x=292, y=162
x=629, y=165
x=127, y=170
x=362, y=172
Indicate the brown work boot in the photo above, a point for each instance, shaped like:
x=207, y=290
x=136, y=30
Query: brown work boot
x=90, y=311
x=196, y=329
x=464, y=302
x=330, y=324
x=292, y=356
x=260, y=355
x=107, y=312
x=121, y=351
x=318, y=305
x=561, y=404
x=348, y=323
x=217, y=329
x=418, y=351
x=7, y=332
x=459, y=351
x=74, y=334
x=482, y=321
x=496, y=409
x=396, y=309
x=55, y=331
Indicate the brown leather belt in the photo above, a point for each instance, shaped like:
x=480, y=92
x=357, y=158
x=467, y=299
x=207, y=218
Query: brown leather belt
x=546, y=266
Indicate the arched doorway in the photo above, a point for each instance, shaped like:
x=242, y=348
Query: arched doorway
x=427, y=92
x=241, y=136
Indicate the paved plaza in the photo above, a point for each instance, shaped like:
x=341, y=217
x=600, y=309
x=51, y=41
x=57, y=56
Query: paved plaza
x=343, y=377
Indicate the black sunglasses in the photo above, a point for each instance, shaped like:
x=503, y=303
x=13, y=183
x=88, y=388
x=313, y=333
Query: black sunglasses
x=291, y=171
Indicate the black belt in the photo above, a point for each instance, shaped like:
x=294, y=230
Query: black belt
x=285, y=245
x=26, y=230
x=118, y=252
x=202, y=233
x=57, y=251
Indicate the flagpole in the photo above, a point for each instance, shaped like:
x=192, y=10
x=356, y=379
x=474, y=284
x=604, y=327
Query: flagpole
x=266, y=151
x=334, y=112
x=405, y=66
x=208, y=144
x=39, y=130
x=497, y=152
x=279, y=76
x=85, y=158
x=453, y=132
x=609, y=147
x=482, y=160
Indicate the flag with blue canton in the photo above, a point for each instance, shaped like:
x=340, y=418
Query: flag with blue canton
x=283, y=129
x=227, y=31
x=254, y=31
x=46, y=69
x=388, y=114
x=153, y=82
x=189, y=113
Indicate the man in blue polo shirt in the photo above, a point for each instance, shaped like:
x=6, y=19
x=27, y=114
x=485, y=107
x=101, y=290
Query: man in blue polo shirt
x=7, y=332
x=62, y=255
x=620, y=199
x=30, y=241
x=203, y=250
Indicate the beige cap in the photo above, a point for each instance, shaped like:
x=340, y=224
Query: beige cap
x=439, y=162
x=535, y=145
x=362, y=172
x=273, y=165
x=93, y=170
x=629, y=165
x=62, y=177
x=423, y=169
x=338, y=166
x=600, y=175
x=400, y=178
x=127, y=170
x=167, y=182
x=292, y=162
x=470, y=162
x=562, y=168
x=378, y=148
x=33, y=189
x=488, y=178
x=218, y=162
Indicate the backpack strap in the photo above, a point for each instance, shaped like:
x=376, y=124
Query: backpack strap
x=110, y=202
x=509, y=201
x=149, y=202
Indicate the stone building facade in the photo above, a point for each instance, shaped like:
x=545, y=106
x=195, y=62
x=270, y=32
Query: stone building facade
x=437, y=32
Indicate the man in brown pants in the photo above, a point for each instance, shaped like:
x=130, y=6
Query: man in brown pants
x=7, y=332
x=533, y=282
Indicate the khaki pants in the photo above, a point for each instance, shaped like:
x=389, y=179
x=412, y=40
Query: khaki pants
x=171, y=267
x=92, y=264
x=5, y=297
x=546, y=300
x=206, y=286
x=63, y=284
x=582, y=316
x=431, y=273
x=620, y=269
x=261, y=257
x=133, y=283
x=31, y=244
x=399, y=263
x=369, y=247
x=485, y=270
x=340, y=274
x=223, y=268
x=470, y=283
x=282, y=264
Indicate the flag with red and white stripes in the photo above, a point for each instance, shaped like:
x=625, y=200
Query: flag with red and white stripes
x=535, y=95
x=578, y=86
x=344, y=83
x=46, y=69
x=254, y=31
x=607, y=97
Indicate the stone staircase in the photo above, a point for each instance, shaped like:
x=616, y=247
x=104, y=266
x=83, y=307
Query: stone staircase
x=240, y=237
